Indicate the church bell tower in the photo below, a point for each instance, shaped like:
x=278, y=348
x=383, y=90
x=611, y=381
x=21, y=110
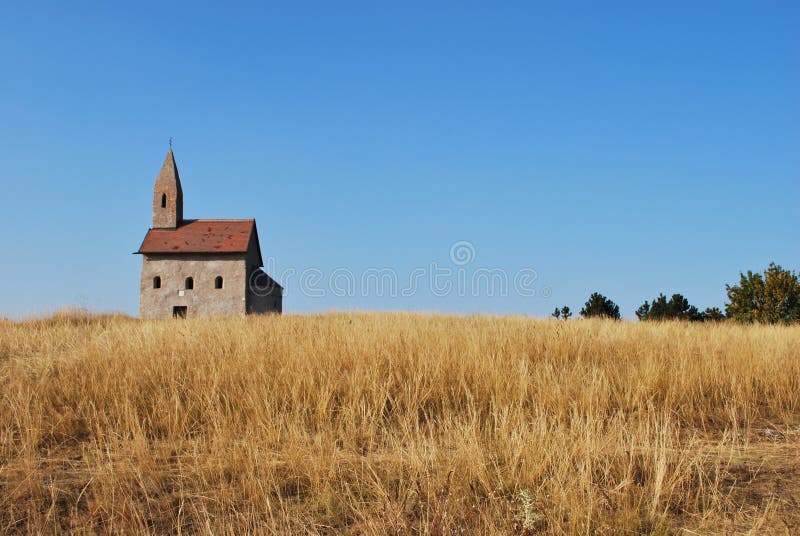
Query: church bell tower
x=168, y=196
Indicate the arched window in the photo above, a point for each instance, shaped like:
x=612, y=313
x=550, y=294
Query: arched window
x=157, y=281
x=163, y=200
x=218, y=282
x=189, y=283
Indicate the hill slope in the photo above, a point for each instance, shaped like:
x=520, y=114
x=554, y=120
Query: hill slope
x=397, y=423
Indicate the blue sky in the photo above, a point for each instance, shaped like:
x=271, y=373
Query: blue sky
x=626, y=147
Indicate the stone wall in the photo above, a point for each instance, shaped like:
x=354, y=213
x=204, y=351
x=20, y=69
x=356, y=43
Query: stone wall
x=168, y=185
x=203, y=299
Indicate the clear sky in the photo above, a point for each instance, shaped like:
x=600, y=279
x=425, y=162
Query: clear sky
x=631, y=148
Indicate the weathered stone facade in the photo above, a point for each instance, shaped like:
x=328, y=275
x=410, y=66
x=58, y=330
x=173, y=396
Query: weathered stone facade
x=201, y=300
x=200, y=267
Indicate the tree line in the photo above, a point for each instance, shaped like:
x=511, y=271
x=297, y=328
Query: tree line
x=772, y=298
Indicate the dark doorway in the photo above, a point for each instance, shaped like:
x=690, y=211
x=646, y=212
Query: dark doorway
x=179, y=311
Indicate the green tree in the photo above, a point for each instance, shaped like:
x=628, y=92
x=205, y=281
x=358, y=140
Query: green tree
x=713, y=314
x=600, y=306
x=772, y=298
x=643, y=312
x=676, y=308
x=564, y=313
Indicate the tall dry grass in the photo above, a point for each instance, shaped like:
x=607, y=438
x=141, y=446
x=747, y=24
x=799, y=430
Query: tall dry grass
x=394, y=424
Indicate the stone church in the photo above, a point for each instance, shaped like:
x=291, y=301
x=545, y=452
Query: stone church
x=200, y=267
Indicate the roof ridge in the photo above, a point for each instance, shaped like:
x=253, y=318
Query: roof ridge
x=218, y=219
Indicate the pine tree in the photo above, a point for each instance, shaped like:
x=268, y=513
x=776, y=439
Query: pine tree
x=600, y=306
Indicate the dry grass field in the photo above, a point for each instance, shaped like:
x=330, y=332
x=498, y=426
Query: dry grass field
x=398, y=424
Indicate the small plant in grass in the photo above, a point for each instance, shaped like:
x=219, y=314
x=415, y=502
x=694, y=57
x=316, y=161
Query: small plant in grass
x=528, y=516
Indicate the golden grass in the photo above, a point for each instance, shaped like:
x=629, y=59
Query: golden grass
x=397, y=424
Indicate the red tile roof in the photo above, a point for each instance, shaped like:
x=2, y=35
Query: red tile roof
x=202, y=236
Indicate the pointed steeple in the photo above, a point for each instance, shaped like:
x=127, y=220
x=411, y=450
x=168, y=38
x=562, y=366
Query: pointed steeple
x=169, y=170
x=168, y=196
